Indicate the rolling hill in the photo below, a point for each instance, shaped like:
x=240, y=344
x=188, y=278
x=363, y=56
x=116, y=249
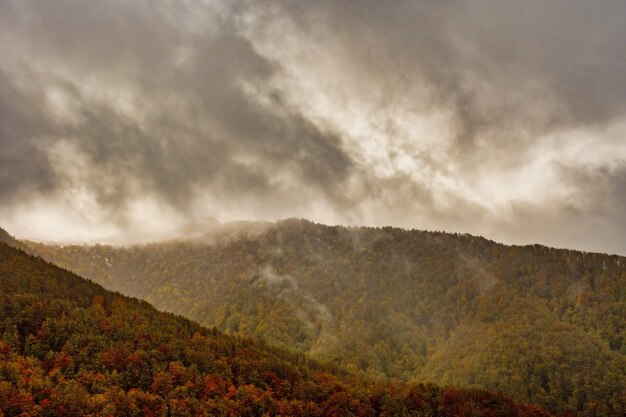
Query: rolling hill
x=542, y=325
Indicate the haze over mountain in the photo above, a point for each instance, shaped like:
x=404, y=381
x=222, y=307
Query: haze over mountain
x=541, y=325
x=126, y=119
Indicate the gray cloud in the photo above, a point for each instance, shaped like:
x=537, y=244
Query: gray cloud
x=193, y=120
x=458, y=115
x=490, y=61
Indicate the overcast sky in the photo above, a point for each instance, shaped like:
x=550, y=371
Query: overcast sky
x=124, y=118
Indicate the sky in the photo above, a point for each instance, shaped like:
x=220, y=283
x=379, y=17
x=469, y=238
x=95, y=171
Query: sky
x=126, y=119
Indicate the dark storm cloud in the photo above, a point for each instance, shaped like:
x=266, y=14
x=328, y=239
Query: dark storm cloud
x=199, y=118
x=310, y=109
x=23, y=167
x=480, y=57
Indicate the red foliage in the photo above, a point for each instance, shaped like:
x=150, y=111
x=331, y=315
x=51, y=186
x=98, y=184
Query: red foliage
x=5, y=349
x=214, y=384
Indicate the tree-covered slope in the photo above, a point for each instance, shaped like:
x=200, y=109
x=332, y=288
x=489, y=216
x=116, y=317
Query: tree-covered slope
x=70, y=348
x=540, y=324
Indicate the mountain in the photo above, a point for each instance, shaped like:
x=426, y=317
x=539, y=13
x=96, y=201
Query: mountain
x=542, y=325
x=70, y=348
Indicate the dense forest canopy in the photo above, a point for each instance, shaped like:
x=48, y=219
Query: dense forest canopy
x=70, y=348
x=539, y=324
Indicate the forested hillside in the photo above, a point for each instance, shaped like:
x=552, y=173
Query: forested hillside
x=542, y=325
x=70, y=348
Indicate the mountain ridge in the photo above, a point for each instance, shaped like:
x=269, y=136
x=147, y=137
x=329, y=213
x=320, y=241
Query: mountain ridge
x=395, y=303
x=209, y=227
